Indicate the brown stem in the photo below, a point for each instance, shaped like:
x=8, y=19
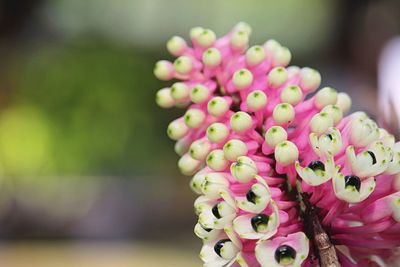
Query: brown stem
x=323, y=247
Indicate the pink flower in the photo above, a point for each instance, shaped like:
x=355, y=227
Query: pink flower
x=253, y=142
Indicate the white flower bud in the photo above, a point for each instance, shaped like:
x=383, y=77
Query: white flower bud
x=194, y=117
x=164, y=99
x=255, y=55
x=180, y=92
x=343, y=102
x=176, y=45
x=243, y=26
x=181, y=146
x=320, y=123
x=197, y=181
x=334, y=112
x=206, y=38
x=277, y=76
x=188, y=165
x=199, y=94
x=213, y=184
x=195, y=32
x=241, y=122
x=291, y=94
x=271, y=46
x=217, y=132
x=242, y=79
x=256, y=100
x=286, y=153
x=364, y=131
x=234, y=148
x=177, y=129
x=283, y=113
x=275, y=135
x=183, y=65
x=325, y=96
x=212, y=57
x=239, y=40
x=199, y=149
x=293, y=71
x=310, y=79
x=217, y=106
x=281, y=57
x=216, y=160
x=244, y=169
x=164, y=70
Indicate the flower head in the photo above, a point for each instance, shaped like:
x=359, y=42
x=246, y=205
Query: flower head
x=254, y=140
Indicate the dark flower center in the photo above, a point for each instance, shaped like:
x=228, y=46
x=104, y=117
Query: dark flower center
x=260, y=222
x=285, y=255
x=219, y=245
x=372, y=156
x=352, y=180
x=251, y=196
x=316, y=165
x=215, y=211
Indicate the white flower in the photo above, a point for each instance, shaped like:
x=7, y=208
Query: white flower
x=256, y=199
x=329, y=143
x=317, y=172
x=257, y=226
x=351, y=188
x=371, y=162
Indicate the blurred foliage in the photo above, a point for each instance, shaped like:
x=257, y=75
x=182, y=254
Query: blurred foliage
x=85, y=108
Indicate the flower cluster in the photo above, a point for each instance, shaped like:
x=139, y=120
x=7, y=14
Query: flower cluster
x=254, y=133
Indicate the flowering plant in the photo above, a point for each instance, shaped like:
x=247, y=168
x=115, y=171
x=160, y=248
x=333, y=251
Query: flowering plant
x=284, y=178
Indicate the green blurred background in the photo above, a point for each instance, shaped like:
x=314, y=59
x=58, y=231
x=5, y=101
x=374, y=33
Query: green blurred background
x=86, y=168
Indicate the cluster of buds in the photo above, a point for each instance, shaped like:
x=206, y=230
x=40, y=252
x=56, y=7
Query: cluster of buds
x=255, y=136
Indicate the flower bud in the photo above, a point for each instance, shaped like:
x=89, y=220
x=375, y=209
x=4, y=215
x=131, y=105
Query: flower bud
x=320, y=123
x=194, y=118
x=234, y=148
x=212, y=57
x=286, y=153
x=277, y=76
x=239, y=40
x=271, y=46
x=164, y=99
x=334, y=112
x=177, y=129
x=213, y=184
x=255, y=55
x=343, y=102
x=199, y=94
x=180, y=92
x=242, y=79
x=241, y=122
x=281, y=57
x=195, y=32
x=217, y=132
x=197, y=181
x=183, y=65
x=199, y=149
x=310, y=79
x=243, y=26
x=244, y=169
x=217, y=106
x=176, y=46
x=325, y=96
x=188, y=165
x=256, y=100
x=164, y=70
x=275, y=135
x=291, y=94
x=283, y=113
x=206, y=38
x=216, y=160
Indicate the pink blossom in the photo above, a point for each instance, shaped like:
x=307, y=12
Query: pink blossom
x=253, y=138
